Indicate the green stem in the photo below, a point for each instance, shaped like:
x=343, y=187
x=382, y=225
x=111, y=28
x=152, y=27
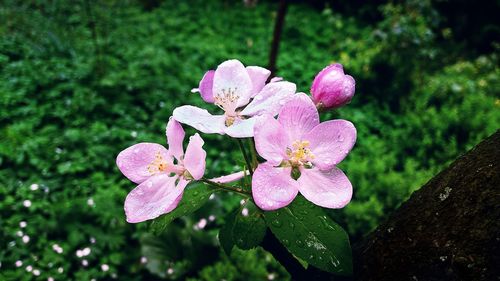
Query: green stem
x=253, y=150
x=225, y=187
x=245, y=155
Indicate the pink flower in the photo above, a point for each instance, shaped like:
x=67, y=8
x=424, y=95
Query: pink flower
x=298, y=142
x=162, y=174
x=331, y=88
x=242, y=93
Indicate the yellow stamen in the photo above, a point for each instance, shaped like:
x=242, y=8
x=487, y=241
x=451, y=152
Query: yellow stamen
x=158, y=165
x=300, y=154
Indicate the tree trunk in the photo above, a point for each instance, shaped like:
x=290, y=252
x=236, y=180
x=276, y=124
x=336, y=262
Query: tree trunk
x=447, y=230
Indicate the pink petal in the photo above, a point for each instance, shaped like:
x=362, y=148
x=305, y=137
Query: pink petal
x=329, y=189
x=152, y=198
x=181, y=185
x=232, y=75
x=271, y=139
x=273, y=187
x=259, y=76
x=231, y=177
x=330, y=142
x=276, y=79
x=194, y=161
x=336, y=67
x=241, y=128
x=133, y=162
x=200, y=119
x=271, y=99
x=175, y=137
x=298, y=116
x=206, y=85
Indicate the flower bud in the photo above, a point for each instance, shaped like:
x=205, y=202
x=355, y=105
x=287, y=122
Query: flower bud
x=331, y=88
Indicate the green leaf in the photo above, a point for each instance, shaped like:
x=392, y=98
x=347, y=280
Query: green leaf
x=226, y=239
x=308, y=233
x=244, y=231
x=195, y=196
x=249, y=230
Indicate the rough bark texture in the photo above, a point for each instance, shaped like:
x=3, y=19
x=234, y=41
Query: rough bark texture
x=447, y=230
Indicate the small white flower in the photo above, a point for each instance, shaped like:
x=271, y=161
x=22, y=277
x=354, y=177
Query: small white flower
x=85, y=263
x=34, y=186
x=26, y=239
x=86, y=251
x=19, y=263
x=202, y=223
x=133, y=134
x=36, y=272
x=79, y=253
x=50, y=279
x=105, y=267
x=29, y=268
x=211, y=218
x=90, y=202
x=23, y=224
x=27, y=203
x=144, y=260
x=60, y=270
x=244, y=212
x=92, y=240
x=271, y=276
x=242, y=201
x=170, y=271
x=19, y=233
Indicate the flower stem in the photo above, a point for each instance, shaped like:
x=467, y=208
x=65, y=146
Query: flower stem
x=245, y=155
x=225, y=187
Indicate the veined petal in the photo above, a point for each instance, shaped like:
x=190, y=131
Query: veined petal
x=271, y=139
x=200, y=119
x=229, y=76
x=175, y=136
x=298, y=116
x=194, y=161
x=330, y=142
x=273, y=187
x=329, y=189
x=231, y=177
x=241, y=128
x=259, y=76
x=271, y=99
x=206, y=86
x=133, y=162
x=152, y=198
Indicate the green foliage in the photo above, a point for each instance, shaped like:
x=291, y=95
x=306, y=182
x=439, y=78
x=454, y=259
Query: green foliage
x=81, y=82
x=308, y=233
x=193, y=198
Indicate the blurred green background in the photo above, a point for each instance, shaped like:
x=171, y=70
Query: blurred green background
x=82, y=80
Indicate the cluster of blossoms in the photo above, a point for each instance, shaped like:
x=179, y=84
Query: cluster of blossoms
x=300, y=153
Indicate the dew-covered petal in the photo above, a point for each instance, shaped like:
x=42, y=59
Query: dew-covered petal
x=181, y=185
x=152, y=198
x=259, y=76
x=241, y=128
x=231, y=75
x=273, y=187
x=175, y=136
x=271, y=99
x=298, y=116
x=205, y=87
x=200, y=119
x=133, y=162
x=271, y=139
x=329, y=189
x=194, y=161
x=330, y=142
x=231, y=177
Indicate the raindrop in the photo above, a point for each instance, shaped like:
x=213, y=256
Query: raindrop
x=292, y=225
x=311, y=257
x=277, y=223
x=300, y=243
x=286, y=242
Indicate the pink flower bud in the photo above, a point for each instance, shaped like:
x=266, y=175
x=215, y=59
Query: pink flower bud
x=331, y=88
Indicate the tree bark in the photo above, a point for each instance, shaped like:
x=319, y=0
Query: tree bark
x=447, y=230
